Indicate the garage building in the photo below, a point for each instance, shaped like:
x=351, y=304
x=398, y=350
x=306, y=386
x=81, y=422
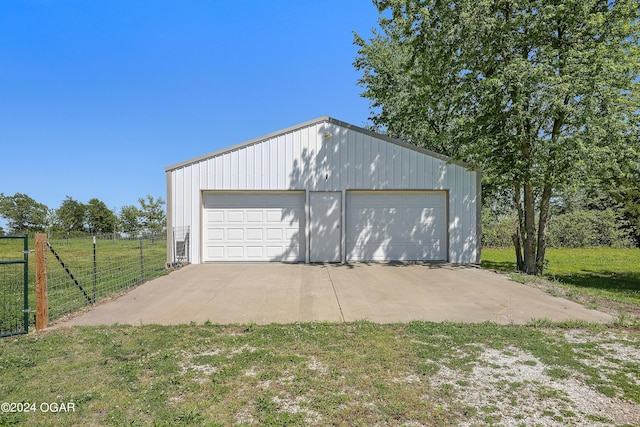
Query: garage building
x=323, y=191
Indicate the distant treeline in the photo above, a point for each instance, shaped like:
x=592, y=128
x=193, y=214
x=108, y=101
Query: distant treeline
x=24, y=215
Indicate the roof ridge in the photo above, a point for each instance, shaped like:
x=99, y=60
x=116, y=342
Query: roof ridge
x=308, y=123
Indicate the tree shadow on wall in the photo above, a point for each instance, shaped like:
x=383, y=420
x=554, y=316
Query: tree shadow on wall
x=337, y=155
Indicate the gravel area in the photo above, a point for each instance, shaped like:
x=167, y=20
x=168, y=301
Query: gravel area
x=510, y=387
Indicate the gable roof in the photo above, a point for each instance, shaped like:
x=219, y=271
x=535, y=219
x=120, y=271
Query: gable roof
x=323, y=119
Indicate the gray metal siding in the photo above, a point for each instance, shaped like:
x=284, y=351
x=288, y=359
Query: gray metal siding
x=304, y=159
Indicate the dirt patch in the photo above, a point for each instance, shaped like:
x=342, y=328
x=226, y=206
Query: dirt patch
x=511, y=387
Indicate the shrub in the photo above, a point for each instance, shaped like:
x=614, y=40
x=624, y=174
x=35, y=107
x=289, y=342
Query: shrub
x=497, y=229
x=575, y=229
x=583, y=228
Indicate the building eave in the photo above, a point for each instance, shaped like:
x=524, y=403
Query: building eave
x=322, y=119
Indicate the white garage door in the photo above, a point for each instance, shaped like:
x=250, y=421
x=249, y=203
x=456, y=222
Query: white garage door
x=396, y=225
x=253, y=226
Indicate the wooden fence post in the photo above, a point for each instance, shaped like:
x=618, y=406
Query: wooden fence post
x=42, y=298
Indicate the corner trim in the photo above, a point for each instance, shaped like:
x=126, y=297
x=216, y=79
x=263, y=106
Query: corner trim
x=169, y=218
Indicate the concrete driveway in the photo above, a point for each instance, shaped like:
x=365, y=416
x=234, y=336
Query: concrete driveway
x=285, y=293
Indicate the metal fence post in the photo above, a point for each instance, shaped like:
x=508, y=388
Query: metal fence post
x=26, y=284
x=95, y=270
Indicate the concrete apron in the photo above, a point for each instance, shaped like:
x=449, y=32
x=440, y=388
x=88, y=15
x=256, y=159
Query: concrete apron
x=286, y=293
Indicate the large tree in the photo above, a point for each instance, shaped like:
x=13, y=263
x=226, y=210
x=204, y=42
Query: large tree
x=152, y=216
x=100, y=219
x=541, y=94
x=72, y=215
x=23, y=214
x=129, y=219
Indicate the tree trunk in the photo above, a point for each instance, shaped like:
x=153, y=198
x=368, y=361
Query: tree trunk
x=530, y=230
x=517, y=237
x=518, y=245
x=545, y=202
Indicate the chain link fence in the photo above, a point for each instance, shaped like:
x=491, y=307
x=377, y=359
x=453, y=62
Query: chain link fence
x=84, y=270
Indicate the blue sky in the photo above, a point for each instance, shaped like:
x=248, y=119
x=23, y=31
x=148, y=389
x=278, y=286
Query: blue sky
x=98, y=97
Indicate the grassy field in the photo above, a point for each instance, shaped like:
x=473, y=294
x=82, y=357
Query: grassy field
x=356, y=374
x=11, y=286
x=606, y=273
x=119, y=265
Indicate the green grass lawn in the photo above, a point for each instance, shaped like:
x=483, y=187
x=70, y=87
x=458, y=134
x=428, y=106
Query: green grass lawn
x=119, y=265
x=608, y=273
x=11, y=286
x=356, y=374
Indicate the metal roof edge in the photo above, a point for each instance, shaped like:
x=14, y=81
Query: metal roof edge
x=322, y=119
x=247, y=143
x=403, y=144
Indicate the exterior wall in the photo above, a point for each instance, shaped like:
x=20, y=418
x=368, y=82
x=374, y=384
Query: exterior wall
x=327, y=155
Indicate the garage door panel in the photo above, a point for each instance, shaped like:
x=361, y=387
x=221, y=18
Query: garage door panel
x=387, y=225
x=255, y=234
x=430, y=216
x=255, y=252
x=380, y=233
x=234, y=216
x=257, y=226
x=274, y=234
x=273, y=251
x=291, y=233
x=214, y=216
x=214, y=252
x=235, y=234
x=390, y=251
x=399, y=215
x=215, y=234
x=254, y=216
x=235, y=252
x=275, y=216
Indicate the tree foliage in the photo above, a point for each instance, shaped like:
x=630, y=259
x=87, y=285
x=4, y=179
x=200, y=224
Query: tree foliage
x=71, y=216
x=129, y=219
x=541, y=94
x=100, y=219
x=152, y=216
x=625, y=190
x=585, y=228
x=23, y=214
